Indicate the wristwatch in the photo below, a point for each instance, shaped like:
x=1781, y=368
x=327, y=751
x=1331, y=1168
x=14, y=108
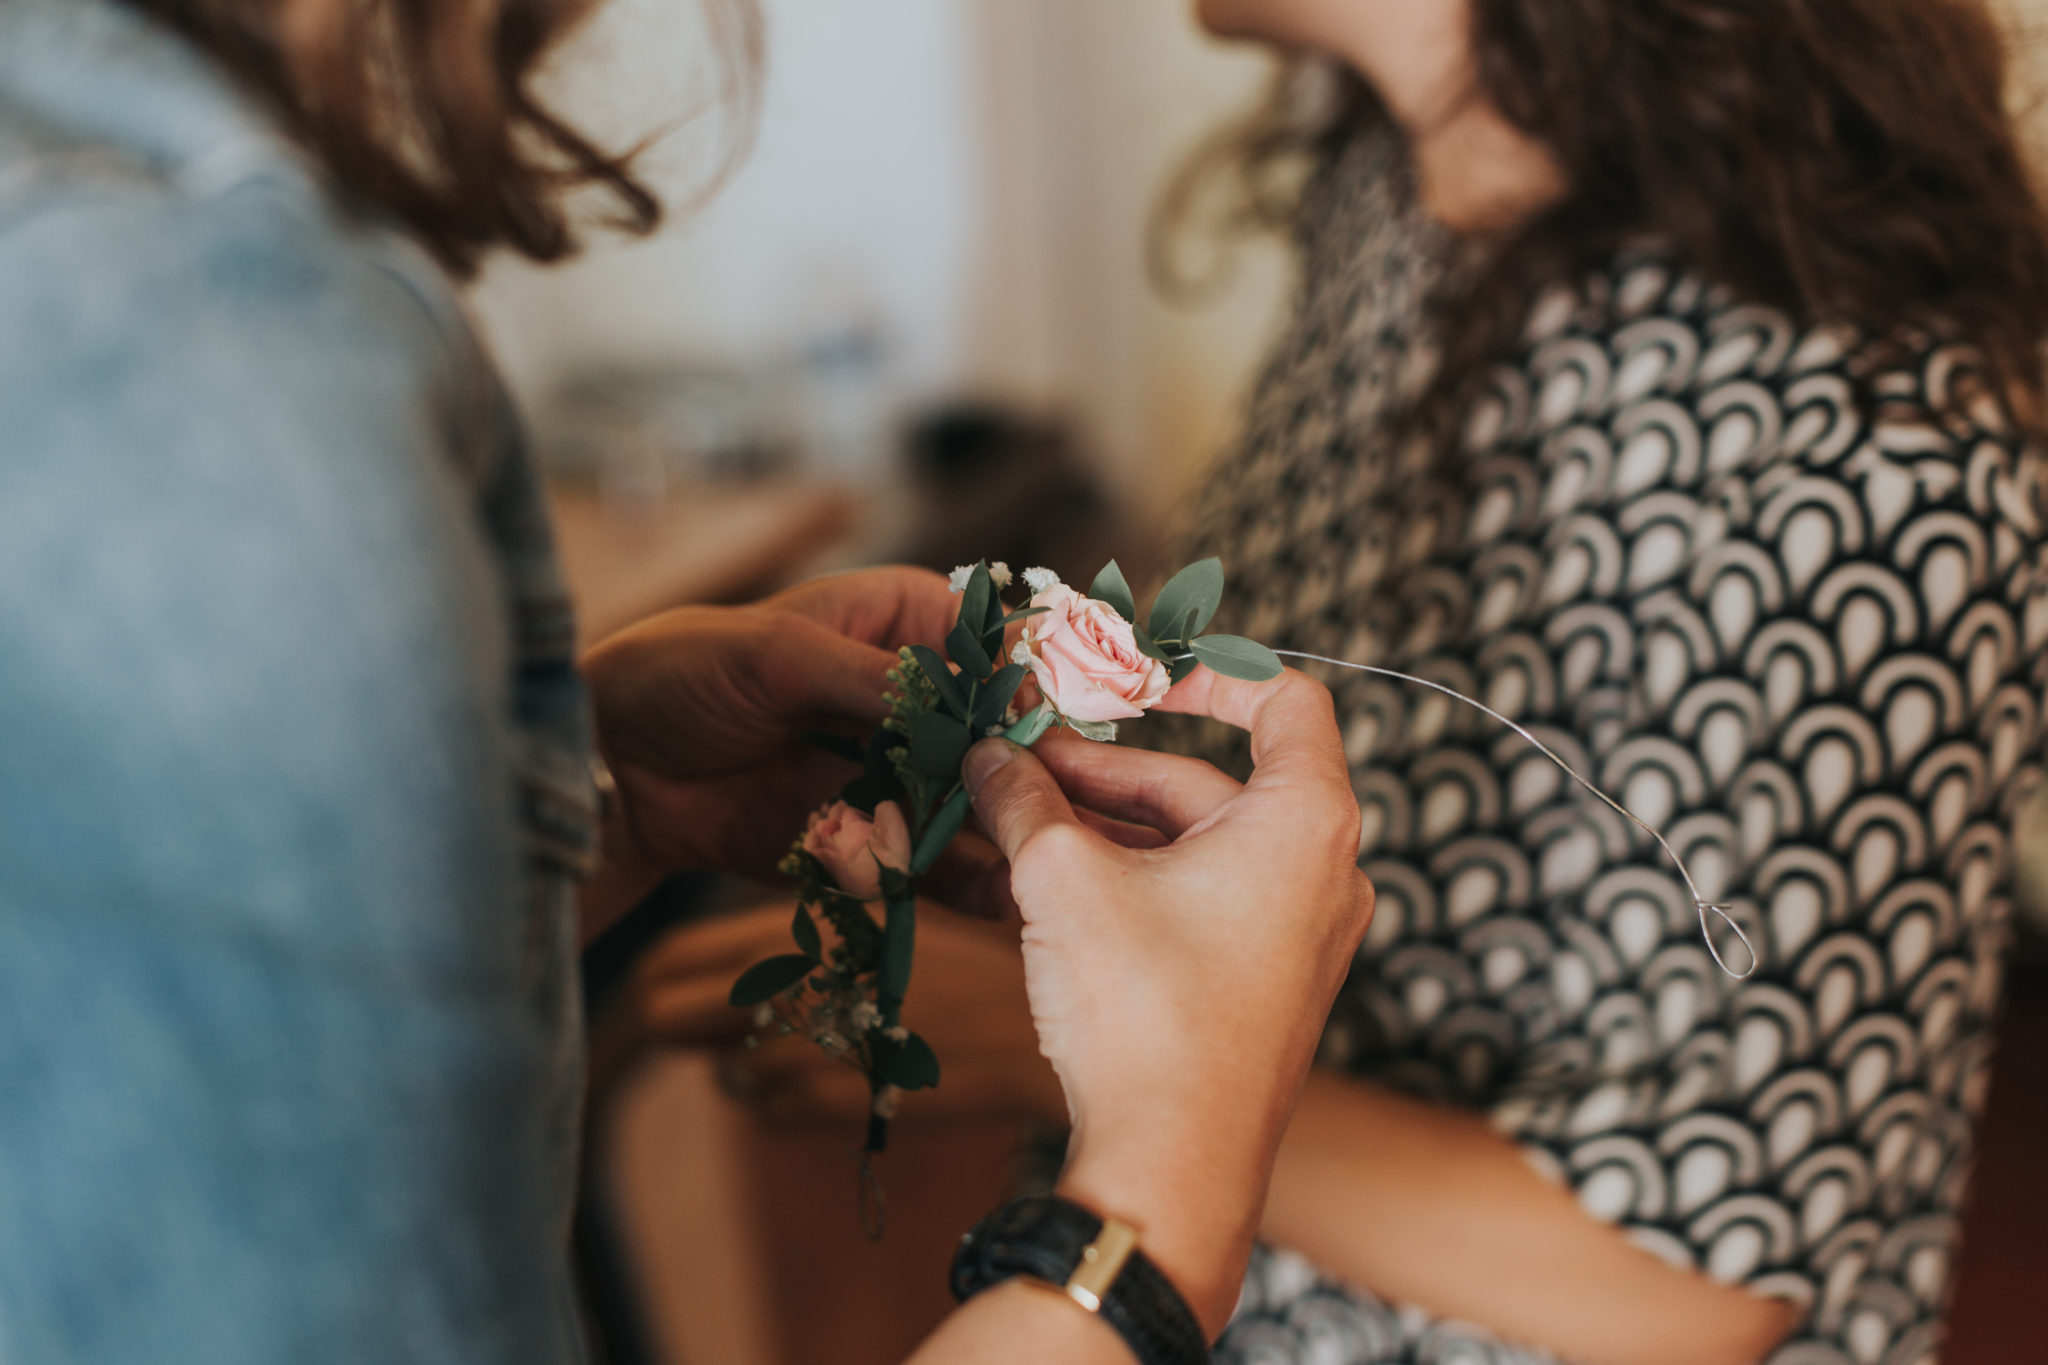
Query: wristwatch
x=1093, y=1261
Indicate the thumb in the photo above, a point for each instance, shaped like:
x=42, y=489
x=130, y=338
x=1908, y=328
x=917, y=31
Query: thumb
x=1014, y=795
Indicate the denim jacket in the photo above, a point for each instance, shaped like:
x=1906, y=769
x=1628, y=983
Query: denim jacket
x=293, y=757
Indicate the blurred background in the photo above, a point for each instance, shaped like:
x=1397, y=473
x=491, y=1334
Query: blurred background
x=915, y=323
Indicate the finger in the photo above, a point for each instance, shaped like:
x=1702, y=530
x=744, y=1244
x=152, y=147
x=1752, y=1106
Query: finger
x=1015, y=798
x=1166, y=792
x=694, y=1012
x=728, y=941
x=1121, y=832
x=887, y=607
x=1292, y=720
x=810, y=670
x=837, y=1095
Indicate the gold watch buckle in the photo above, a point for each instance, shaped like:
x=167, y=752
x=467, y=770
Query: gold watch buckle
x=1101, y=1263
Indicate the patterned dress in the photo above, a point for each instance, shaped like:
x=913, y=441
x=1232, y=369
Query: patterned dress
x=1741, y=575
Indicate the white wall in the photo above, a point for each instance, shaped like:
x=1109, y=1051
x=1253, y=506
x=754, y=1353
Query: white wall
x=973, y=175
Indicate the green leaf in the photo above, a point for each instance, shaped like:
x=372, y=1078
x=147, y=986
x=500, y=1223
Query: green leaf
x=1023, y=612
x=937, y=744
x=1195, y=591
x=805, y=931
x=968, y=653
x=974, y=601
x=1109, y=586
x=765, y=980
x=1180, y=668
x=909, y=1065
x=1147, y=646
x=942, y=678
x=995, y=696
x=992, y=616
x=1236, y=657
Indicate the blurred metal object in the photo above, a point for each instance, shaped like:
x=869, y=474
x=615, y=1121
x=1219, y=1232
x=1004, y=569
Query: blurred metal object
x=636, y=434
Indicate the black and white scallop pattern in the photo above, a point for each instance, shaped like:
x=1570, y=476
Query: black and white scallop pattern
x=1791, y=621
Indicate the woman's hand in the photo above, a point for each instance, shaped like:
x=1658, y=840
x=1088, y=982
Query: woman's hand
x=969, y=1002
x=1179, y=991
x=701, y=712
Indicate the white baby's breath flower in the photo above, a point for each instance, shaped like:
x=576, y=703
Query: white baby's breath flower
x=764, y=1015
x=885, y=1102
x=1038, y=580
x=957, y=580
x=899, y=1034
x=863, y=1016
x=1020, y=654
x=831, y=1042
x=999, y=574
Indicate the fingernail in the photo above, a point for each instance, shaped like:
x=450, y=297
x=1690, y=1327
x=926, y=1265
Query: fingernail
x=983, y=759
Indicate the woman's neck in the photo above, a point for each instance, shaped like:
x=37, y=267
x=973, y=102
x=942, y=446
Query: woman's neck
x=1479, y=173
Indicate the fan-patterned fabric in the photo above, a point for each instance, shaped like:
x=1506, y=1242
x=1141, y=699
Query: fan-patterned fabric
x=1741, y=575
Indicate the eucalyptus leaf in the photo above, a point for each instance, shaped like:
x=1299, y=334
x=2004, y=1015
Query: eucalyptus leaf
x=1236, y=657
x=1109, y=586
x=767, y=979
x=1180, y=668
x=1022, y=612
x=968, y=653
x=942, y=678
x=974, y=600
x=992, y=614
x=909, y=1064
x=937, y=744
x=1147, y=646
x=1195, y=591
x=804, y=930
x=995, y=696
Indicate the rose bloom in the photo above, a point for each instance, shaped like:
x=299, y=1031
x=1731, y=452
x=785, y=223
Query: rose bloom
x=1086, y=659
x=851, y=845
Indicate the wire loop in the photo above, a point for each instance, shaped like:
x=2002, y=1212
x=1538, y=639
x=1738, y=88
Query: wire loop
x=1701, y=905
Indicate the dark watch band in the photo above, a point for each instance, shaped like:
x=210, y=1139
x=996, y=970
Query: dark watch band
x=1045, y=1237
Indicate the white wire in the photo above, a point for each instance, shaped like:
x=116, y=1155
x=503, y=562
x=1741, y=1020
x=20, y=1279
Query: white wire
x=1701, y=905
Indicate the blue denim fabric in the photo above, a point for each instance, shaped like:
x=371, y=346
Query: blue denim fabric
x=292, y=757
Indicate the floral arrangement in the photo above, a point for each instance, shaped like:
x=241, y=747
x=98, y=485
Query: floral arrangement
x=1092, y=664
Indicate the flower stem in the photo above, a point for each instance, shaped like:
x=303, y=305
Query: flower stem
x=946, y=821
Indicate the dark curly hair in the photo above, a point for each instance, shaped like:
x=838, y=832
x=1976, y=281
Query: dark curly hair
x=426, y=109
x=1849, y=161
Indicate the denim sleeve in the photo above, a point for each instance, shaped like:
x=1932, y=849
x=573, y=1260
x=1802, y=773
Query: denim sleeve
x=269, y=1064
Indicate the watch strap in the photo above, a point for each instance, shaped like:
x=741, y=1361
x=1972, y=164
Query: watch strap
x=1045, y=1238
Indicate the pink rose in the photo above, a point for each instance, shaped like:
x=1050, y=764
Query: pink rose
x=850, y=845
x=1086, y=660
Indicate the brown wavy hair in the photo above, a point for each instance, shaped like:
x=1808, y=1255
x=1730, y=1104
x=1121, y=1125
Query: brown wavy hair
x=426, y=110
x=1849, y=161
